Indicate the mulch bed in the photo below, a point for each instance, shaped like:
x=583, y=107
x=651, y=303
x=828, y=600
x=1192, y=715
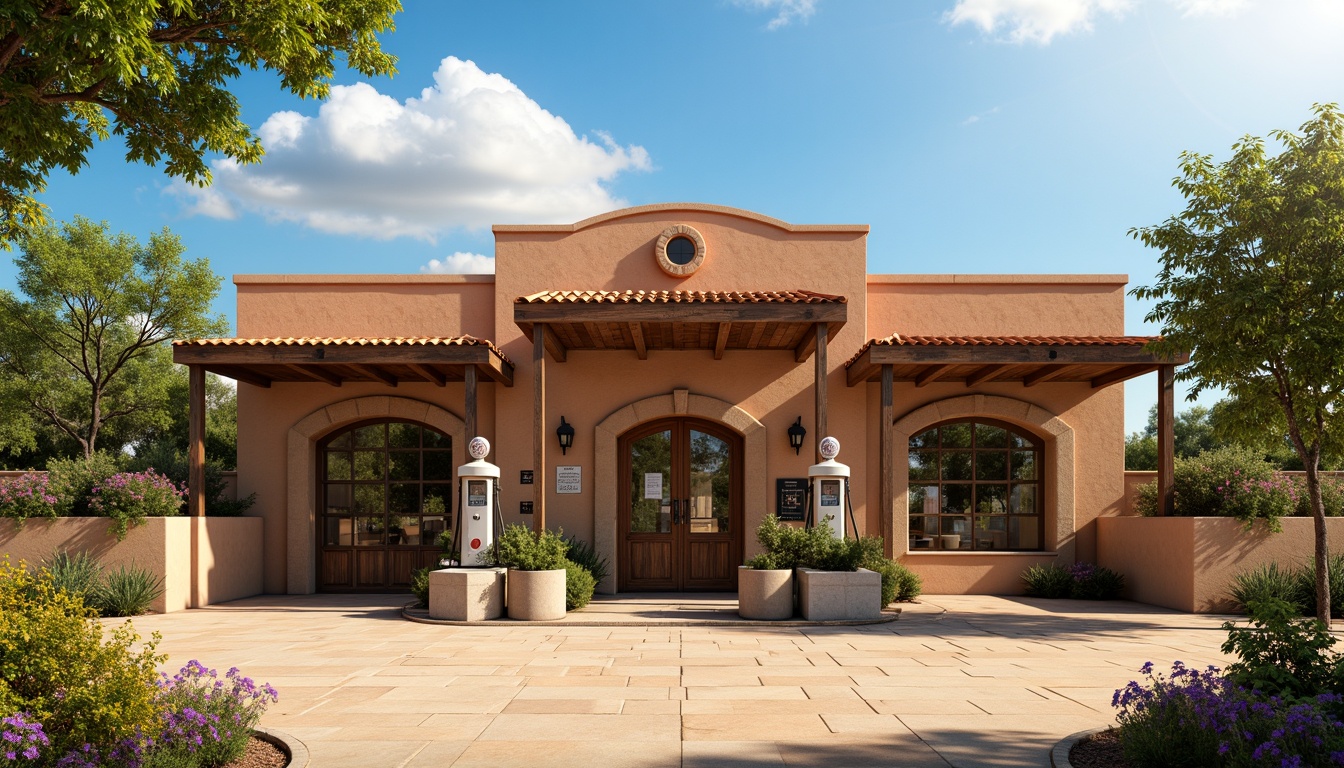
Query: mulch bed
x=1101, y=751
x=260, y=754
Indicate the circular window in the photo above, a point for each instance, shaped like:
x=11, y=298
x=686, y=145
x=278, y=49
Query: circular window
x=680, y=250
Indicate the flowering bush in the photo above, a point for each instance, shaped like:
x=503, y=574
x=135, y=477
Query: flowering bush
x=1228, y=482
x=1198, y=717
x=129, y=497
x=208, y=720
x=29, y=495
x=20, y=740
x=1080, y=581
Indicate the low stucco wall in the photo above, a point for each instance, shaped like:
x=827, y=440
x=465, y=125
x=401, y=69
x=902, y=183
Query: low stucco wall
x=978, y=574
x=1188, y=563
x=227, y=564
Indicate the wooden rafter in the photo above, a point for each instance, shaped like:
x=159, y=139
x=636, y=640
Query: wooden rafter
x=317, y=373
x=375, y=372
x=1043, y=374
x=637, y=337
x=1120, y=374
x=983, y=374
x=931, y=374
x=721, y=340
x=430, y=374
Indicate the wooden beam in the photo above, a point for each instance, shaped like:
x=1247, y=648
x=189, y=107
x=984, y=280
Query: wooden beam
x=718, y=312
x=196, y=441
x=928, y=375
x=552, y=343
x=241, y=374
x=860, y=369
x=1120, y=374
x=754, y=339
x=1016, y=354
x=1166, y=455
x=806, y=345
x=472, y=426
x=595, y=333
x=637, y=335
x=375, y=372
x=1043, y=374
x=540, y=480
x=317, y=374
x=334, y=354
x=721, y=340
x=886, y=511
x=820, y=387
x=433, y=375
x=981, y=375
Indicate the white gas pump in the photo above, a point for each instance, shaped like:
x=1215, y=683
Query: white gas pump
x=478, y=505
x=828, y=485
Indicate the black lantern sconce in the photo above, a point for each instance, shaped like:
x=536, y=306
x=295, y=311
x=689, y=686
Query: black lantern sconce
x=565, y=433
x=796, y=434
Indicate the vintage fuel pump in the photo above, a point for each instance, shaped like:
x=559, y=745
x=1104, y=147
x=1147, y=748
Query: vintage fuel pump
x=828, y=490
x=478, y=509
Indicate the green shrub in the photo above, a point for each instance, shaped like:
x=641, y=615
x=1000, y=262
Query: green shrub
x=1093, y=582
x=77, y=574
x=520, y=548
x=1306, y=585
x=59, y=666
x=166, y=458
x=28, y=495
x=1282, y=655
x=583, y=553
x=898, y=582
x=908, y=585
x=73, y=480
x=1052, y=581
x=1332, y=496
x=787, y=547
x=127, y=591
x=420, y=586
x=129, y=497
x=1268, y=582
x=1231, y=481
x=579, y=586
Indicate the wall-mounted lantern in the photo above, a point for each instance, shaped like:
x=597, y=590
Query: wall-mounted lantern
x=796, y=434
x=565, y=433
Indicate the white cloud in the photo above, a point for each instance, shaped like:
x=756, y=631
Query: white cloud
x=461, y=263
x=786, y=11
x=1035, y=21
x=201, y=201
x=973, y=119
x=1039, y=21
x=470, y=151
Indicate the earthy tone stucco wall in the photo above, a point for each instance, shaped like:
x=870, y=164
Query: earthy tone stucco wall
x=1188, y=563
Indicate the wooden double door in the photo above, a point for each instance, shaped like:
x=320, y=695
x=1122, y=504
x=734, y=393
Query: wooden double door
x=680, y=517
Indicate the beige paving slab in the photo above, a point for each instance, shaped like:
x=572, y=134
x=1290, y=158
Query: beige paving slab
x=570, y=754
x=570, y=706
x=731, y=754
x=775, y=706
x=597, y=727
x=760, y=727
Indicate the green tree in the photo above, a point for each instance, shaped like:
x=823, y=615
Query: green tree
x=153, y=72
x=1251, y=281
x=84, y=347
x=1192, y=434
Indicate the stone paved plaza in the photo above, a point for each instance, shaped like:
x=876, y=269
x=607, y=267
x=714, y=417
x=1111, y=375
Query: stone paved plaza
x=958, y=680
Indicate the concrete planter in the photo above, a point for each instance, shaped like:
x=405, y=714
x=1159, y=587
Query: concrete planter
x=1188, y=563
x=536, y=595
x=839, y=595
x=466, y=594
x=202, y=560
x=764, y=595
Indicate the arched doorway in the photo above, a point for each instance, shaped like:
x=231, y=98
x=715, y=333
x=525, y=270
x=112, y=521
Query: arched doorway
x=385, y=496
x=679, y=520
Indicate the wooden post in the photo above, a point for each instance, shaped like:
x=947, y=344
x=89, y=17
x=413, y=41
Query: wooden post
x=820, y=387
x=472, y=426
x=887, y=460
x=540, y=478
x=1166, y=420
x=196, y=441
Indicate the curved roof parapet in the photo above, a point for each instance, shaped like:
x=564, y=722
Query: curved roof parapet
x=688, y=207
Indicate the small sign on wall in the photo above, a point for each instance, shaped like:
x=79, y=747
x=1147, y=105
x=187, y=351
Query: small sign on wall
x=524, y=507
x=791, y=498
x=569, y=479
x=524, y=477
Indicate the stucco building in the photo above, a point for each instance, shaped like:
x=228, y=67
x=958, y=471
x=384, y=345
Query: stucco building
x=982, y=415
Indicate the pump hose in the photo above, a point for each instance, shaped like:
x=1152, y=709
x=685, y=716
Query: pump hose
x=849, y=502
x=499, y=523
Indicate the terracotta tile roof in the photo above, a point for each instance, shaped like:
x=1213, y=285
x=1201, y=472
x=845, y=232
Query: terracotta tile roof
x=399, y=341
x=897, y=340
x=679, y=297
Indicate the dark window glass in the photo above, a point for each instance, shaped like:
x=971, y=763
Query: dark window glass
x=680, y=250
x=975, y=486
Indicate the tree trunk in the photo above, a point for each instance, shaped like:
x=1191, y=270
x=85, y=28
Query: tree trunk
x=1322, y=545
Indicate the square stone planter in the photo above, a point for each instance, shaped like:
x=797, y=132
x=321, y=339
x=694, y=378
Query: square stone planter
x=764, y=595
x=536, y=595
x=839, y=595
x=466, y=594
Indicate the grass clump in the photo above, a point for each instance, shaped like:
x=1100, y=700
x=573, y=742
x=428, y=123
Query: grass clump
x=1080, y=581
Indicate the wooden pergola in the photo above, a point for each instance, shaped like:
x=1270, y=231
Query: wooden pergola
x=646, y=322
x=1098, y=361
x=332, y=361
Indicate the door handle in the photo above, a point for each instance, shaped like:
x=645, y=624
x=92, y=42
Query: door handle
x=676, y=512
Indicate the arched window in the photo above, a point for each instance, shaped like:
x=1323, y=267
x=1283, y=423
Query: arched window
x=975, y=485
x=386, y=490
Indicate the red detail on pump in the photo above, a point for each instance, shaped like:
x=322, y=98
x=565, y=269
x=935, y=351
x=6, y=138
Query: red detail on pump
x=475, y=543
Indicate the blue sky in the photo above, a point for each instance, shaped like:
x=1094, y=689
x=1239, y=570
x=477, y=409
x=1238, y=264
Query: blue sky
x=974, y=136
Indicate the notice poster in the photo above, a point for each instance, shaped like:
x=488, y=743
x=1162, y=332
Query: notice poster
x=830, y=493
x=653, y=485
x=569, y=479
x=791, y=498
